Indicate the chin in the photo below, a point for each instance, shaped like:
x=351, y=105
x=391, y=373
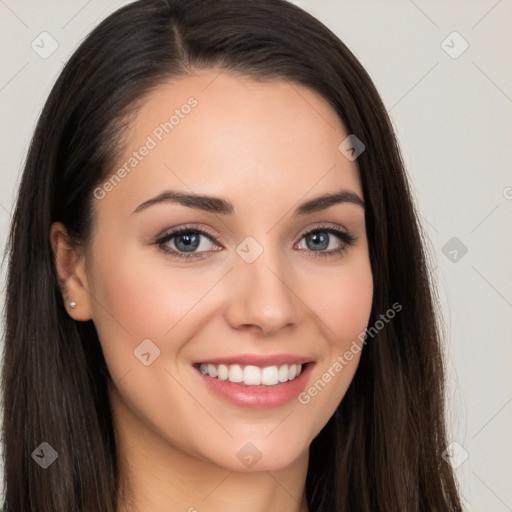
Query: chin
x=253, y=454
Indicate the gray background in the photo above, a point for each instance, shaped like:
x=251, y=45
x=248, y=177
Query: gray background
x=452, y=115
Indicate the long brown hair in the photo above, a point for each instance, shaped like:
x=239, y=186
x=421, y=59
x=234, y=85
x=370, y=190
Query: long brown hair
x=381, y=450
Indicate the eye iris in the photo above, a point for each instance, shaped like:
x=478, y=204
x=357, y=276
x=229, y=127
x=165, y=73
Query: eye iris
x=319, y=239
x=188, y=242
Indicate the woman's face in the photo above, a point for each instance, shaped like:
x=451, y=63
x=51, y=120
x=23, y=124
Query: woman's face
x=256, y=290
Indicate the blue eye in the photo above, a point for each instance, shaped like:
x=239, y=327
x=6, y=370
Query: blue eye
x=320, y=240
x=187, y=242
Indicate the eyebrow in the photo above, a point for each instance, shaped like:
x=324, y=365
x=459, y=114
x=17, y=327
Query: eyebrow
x=221, y=206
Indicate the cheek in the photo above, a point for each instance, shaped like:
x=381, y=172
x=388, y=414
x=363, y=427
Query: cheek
x=145, y=292
x=137, y=298
x=348, y=313
x=343, y=301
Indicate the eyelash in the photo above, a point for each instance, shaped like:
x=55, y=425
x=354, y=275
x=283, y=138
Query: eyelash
x=345, y=237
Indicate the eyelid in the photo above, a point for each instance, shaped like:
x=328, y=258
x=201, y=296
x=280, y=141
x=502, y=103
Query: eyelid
x=322, y=225
x=176, y=230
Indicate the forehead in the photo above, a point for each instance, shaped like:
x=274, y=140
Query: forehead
x=215, y=131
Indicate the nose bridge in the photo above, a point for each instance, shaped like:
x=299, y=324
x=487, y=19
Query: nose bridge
x=261, y=295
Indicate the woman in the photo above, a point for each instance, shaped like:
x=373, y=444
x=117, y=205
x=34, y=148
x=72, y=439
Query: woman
x=217, y=294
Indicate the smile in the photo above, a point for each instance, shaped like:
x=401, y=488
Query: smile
x=252, y=375
x=254, y=382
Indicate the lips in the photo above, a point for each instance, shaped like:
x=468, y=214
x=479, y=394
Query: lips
x=256, y=381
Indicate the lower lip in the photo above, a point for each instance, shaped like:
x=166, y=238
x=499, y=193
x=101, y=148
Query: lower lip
x=258, y=397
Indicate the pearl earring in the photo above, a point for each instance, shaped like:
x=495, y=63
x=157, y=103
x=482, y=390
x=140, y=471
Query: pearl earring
x=72, y=304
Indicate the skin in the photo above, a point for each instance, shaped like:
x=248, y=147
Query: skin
x=265, y=147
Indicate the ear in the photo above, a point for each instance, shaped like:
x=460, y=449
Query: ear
x=69, y=261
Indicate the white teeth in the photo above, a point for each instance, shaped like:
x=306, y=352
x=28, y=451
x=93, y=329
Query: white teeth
x=235, y=373
x=222, y=371
x=283, y=373
x=252, y=375
x=212, y=370
x=269, y=375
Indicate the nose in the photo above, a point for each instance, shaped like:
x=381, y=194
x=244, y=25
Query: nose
x=261, y=296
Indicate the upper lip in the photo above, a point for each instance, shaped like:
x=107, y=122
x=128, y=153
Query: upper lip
x=259, y=360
